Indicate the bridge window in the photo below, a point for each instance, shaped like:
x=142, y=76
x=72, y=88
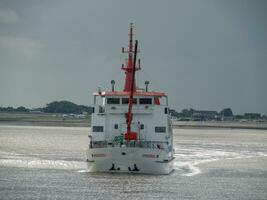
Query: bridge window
x=113, y=100
x=145, y=101
x=160, y=129
x=126, y=100
x=98, y=128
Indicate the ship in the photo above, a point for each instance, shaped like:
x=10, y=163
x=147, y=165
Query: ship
x=131, y=130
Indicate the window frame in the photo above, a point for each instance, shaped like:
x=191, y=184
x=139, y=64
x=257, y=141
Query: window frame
x=143, y=101
x=113, y=98
x=160, y=129
x=98, y=129
x=127, y=102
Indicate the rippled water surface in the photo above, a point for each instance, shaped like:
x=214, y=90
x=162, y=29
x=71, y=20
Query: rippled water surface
x=48, y=163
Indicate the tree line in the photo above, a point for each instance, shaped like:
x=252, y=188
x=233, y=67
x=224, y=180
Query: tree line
x=53, y=107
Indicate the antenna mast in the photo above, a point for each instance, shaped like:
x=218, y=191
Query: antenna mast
x=129, y=63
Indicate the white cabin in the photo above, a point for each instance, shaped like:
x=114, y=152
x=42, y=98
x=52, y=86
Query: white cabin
x=150, y=118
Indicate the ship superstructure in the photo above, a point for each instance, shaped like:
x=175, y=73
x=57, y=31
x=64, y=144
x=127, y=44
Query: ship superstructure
x=131, y=129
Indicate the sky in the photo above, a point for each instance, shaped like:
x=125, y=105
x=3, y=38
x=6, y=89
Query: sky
x=206, y=55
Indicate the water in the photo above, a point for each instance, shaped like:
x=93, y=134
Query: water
x=48, y=163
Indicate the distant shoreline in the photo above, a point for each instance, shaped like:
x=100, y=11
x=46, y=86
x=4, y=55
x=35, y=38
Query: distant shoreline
x=220, y=124
x=47, y=123
x=46, y=119
x=189, y=125
x=43, y=119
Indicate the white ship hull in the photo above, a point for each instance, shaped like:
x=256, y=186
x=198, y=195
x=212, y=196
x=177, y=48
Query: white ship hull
x=131, y=129
x=129, y=160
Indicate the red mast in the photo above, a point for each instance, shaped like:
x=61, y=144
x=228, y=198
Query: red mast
x=130, y=84
x=129, y=63
x=130, y=135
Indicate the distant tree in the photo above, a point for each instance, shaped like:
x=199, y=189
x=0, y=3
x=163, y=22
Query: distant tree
x=226, y=112
x=54, y=107
x=87, y=109
x=187, y=113
x=174, y=113
x=61, y=107
x=37, y=110
x=239, y=117
x=7, y=109
x=66, y=107
x=11, y=109
x=22, y=109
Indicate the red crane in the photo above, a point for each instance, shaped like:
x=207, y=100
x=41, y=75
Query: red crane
x=130, y=135
x=130, y=84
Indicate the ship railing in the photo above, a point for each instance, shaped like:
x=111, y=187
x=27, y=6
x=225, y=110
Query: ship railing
x=137, y=143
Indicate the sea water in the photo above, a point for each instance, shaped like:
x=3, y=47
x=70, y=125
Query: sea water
x=49, y=163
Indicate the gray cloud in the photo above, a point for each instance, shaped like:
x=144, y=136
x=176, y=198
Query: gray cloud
x=204, y=54
x=8, y=16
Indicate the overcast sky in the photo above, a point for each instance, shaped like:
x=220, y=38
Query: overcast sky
x=204, y=54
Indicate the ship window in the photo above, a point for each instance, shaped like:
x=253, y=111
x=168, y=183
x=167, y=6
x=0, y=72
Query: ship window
x=116, y=126
x=101, y=109
x=113, y=100
x=98, y=128
x=160, y=129
x=166, y=110
x=142, y=126
x=126, y=100
x=145, y=101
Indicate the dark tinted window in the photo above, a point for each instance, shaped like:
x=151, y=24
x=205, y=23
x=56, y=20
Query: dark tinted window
x=160, y=129
x=166, y=110
x=142, y=126
x=113, y=100
x=145, y=101
x=126, y=100
x=98, y=128
x=116, y=126
x=101, y=109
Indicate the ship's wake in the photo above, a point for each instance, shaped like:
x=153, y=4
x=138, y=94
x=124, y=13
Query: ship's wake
x=188, y=160
x=20, y=160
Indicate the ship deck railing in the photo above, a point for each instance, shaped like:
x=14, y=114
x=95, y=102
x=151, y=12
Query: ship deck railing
x=136, y=143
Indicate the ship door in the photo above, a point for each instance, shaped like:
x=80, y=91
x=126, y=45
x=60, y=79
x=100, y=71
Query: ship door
x=142, y=131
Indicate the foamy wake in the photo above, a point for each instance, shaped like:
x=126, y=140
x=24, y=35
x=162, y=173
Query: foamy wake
x=19, y=160
x=186, y=163
x=187, y=160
